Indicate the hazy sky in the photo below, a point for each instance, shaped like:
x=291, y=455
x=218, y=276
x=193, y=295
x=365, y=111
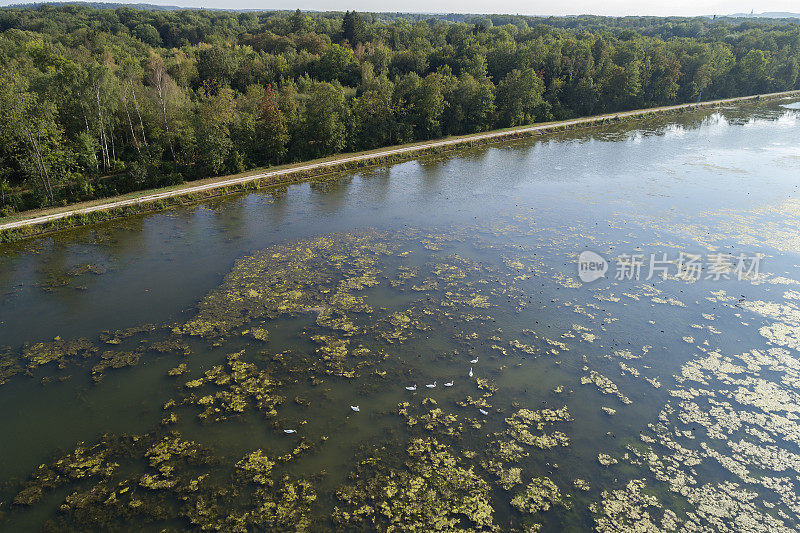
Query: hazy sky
x=529, y=7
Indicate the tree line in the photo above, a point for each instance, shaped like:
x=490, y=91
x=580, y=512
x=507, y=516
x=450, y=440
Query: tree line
x=96, y=102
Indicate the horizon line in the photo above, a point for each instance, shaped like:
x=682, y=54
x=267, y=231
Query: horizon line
x=167, y=6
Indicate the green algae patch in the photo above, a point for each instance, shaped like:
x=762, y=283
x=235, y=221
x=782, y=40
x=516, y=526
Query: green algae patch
x=9, y=366
x=64, y=278
x=259, y=334
x=539, y=495
x=527, y=427
x=113, y=359
x=431, y=417
x=117, y=336
x=57, y=351
x=631, y=509
x=126, y=481
x=256, y=468
x=236, y=386
x=433, y=491
x=171, y=345
x=605, y=385
x=65, y=353
x=342, y=321
x=316, y=276
x=507, y=478
x=84, y=462
x=179, y=370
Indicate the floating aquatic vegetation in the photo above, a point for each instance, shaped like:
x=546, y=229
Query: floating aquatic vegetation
x=654, y=382
x=433, y=491
x=401, y=326
x=782, y=334
x=318, y=275
x=64, y=278
x=605, y=459
x=540, y=495
x=524, y=422
x=9, y=365
x=181, y=482
x=605, y=385
x=116, y=337
x=508, y=450
x=626, y=354
x=349, y=320
x=292, y=279
x=546, y=345
x=172, y=344
x=83, y=462
x=431, y=417
x=524, y=348
x=727, y=412
x=669, y=300
x=631, y=509
x=88, y=268
x=259, y=334
x=629, y=370
x=114, y=359
x=179, y=370
x=781, y=280
x=478, y=403
x=256, y=468
x=507, y=478
x=334, y=351
x=239, y=386
x=581, y=484
x=56, y=351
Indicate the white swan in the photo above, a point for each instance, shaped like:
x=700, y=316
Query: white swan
x=449, y=384
x=412, y=387
x=483, y=412
x=355, y=408
x=290, y=431
x=470, y=371
x=431, y=385
x=474, y=361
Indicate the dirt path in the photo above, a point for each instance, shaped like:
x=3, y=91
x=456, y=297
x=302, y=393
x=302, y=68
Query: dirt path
x=49, y=215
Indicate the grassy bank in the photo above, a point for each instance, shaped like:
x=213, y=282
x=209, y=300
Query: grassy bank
x=32, y=223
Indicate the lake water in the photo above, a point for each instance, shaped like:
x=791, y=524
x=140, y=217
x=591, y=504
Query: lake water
x=200, y=367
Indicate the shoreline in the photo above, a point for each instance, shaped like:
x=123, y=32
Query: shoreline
x=33, y=223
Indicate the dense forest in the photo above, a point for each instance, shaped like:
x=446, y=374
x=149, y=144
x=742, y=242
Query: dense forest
x=95, y=102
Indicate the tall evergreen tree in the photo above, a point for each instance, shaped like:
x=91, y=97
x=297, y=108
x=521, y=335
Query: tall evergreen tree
x=353, y=28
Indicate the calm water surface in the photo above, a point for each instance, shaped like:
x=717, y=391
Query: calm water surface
x=152, y=366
